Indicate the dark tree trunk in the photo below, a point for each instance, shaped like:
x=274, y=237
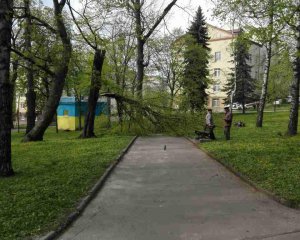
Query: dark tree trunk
x=80, y=112
x=120, y=109
x=140, y=49
x=109, y=112
x=49, y=110
x=294, y=111
x=5, y=88
x=30, y=95
x=14, y=77
x=31, y=102
x=88, y=129
x=140, y=68
x=142, y=38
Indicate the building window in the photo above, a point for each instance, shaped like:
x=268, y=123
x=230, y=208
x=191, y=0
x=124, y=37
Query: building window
x=66, y=113
x=216, y=103
x=217, y=56
x=216, y=87
x=217, y=72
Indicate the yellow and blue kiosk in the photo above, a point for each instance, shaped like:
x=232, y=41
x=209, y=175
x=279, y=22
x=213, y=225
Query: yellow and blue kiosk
x=69, y=111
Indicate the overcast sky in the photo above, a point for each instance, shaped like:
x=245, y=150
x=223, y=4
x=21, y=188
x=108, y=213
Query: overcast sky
x=182, y=18
x=180, y=15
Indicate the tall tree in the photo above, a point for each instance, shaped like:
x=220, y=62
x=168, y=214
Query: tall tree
x=196, y=58
x=293, y=21
x=120, y=55
x=167, y=60
x=6, y=13
x=198, y=29
x=30, y=95
x=241, y=75
x=142, y=34
x=268, y=45
x=99, y=56
x=294, y=111
x=58, y=75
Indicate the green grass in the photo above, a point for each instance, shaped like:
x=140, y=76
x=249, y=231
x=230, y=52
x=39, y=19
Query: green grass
x=265, y=155
x=51, y=176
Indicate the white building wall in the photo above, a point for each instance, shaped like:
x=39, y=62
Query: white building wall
x=220, y=42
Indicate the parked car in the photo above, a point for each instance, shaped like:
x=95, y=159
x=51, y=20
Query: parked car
x=235, y=106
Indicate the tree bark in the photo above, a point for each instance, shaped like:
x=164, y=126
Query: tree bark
x=142, y=39
x=294, y=111
x=88, y=129
x=5, y=88
x=61, y=70
x=264, y=91
x=14, y=76
x=30, y=95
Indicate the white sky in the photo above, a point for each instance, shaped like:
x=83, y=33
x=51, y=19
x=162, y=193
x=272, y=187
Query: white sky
x=182, y=18
x=180, y=15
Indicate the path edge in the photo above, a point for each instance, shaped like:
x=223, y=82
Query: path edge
x=245, y=179
x=87, y=199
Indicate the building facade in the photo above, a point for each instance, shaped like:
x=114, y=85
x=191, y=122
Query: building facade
x=221, y=64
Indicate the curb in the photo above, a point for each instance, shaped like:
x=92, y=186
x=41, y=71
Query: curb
x=91, y=194
x=245, y=179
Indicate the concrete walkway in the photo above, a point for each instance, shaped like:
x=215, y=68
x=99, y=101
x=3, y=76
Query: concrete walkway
x=180, y=193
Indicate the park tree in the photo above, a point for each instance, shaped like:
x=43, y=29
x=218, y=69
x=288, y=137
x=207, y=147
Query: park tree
x=6, y=14
x=15, y=66
x=198, y=29
x=240, y=80
x=143, y=31
x=57, y=71
x=30, y=94
x=167, y=60
x=119, y=74
x=196, y=59
x=90, y=33
x=291, y=16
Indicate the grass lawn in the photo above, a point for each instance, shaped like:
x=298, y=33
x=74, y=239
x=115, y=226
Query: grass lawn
x=51, y=176
x=265, y=155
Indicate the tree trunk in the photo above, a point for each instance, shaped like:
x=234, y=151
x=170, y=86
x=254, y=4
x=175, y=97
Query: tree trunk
x=49, y=110
x=30, y=95
x=142, y=39
x=5, y=88
x=13, y=80
x=109, y=112
x=140, y=50
x=80, y=112
x=264, y=90
x=88, y=129
x=294, y=111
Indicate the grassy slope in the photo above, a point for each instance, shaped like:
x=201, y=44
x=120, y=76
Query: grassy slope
x=50, y=177
x=265, y=156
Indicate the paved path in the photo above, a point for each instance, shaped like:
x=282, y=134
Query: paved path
x=180, y=194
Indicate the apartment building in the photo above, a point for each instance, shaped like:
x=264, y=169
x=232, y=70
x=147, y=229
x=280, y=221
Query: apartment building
x=221, y=63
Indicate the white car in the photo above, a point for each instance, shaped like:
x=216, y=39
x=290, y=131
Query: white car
x=235, y=106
